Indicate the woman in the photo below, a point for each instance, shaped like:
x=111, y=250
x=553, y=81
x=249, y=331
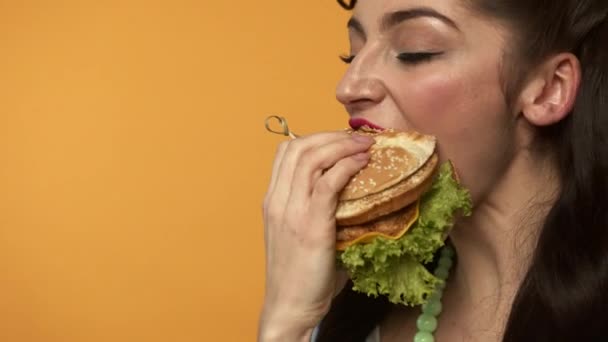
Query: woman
x=516, y=92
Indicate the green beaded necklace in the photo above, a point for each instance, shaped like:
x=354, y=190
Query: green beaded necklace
x=427, y=321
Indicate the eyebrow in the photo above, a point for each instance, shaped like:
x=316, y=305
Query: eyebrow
x=394, y=18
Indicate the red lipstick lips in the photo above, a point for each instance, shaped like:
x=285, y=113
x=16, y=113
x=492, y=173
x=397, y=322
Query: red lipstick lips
x=356, y=123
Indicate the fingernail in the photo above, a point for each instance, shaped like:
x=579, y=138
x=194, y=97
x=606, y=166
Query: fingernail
x=363, y=156
x=363, y=139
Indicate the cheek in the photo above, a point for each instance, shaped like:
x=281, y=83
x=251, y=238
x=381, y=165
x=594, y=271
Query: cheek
x=470, y=120
x=432, y=99
x=453, y=108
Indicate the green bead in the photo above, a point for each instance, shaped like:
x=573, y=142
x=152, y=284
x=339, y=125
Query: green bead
x=426, y=322
x=442, y=273
x=432, y=307
x=445, y=262
x=447, y=251
x=423, y=336
x=436, y=295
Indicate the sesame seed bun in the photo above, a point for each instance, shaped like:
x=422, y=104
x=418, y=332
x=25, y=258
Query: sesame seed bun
x=399, y=171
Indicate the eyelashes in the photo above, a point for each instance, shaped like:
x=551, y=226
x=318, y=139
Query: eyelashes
x=417, y=57
x=404, y=57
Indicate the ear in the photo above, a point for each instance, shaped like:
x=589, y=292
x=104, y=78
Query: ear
x=549, y=95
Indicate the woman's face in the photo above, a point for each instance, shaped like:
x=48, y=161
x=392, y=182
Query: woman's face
x=433, y=66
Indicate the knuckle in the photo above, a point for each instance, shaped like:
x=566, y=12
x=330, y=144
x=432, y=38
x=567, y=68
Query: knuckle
x=295, y=213
x=291, y=227
x=325, y=186
x=294, y=149
x=272, y=212
x=343, y=163
x=350, y=163
x=296, y=144
x=351, y=143
x=309, y=156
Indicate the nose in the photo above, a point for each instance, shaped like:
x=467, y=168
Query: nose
x=361, y=86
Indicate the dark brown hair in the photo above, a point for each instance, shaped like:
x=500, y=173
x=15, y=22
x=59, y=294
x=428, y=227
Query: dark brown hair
x=564, y=295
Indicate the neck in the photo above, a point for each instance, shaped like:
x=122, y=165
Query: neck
x=494, y=245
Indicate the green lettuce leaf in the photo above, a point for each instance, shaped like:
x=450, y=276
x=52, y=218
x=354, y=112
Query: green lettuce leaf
x=401, y=278
x=395, y=268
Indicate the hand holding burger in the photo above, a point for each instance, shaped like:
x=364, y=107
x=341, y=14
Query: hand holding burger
x=375, y=200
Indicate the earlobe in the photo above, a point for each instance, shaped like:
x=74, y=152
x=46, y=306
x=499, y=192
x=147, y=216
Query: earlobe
x=549, y=96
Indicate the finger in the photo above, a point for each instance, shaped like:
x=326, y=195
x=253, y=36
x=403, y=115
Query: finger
x=266, y=210
x=276, y=164
x=315, y=161
x=326, y=189
x=275, y=201
x=293, y=153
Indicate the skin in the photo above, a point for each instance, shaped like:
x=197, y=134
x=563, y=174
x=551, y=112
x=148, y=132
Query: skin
x=458, y=96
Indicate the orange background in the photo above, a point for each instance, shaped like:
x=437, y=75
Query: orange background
x=134, y=160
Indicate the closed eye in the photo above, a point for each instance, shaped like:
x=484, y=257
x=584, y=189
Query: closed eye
x=417, y=57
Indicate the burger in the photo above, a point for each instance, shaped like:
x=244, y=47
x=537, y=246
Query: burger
x=395, y=214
